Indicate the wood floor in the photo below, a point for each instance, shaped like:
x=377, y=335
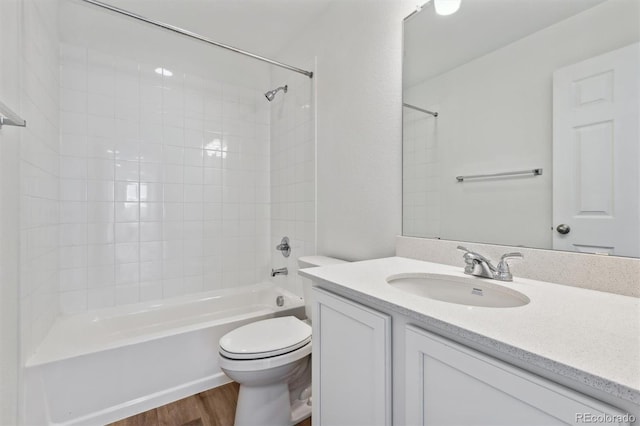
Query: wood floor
x=215, y=407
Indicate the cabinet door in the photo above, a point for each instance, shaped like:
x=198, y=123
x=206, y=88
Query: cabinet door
x=449, y=384
x=351, y=363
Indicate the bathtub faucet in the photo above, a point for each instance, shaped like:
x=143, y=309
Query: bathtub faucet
x=279, y=271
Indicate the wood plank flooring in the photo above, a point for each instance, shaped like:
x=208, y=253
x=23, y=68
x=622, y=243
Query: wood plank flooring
x=215, y=407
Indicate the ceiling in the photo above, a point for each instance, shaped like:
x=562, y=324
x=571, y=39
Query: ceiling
x=434, y=44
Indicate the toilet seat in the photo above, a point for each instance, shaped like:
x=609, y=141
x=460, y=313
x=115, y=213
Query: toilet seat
x=265, y=339
x=256, y=365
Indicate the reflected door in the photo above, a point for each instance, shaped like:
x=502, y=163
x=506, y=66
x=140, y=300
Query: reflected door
x=596, y=182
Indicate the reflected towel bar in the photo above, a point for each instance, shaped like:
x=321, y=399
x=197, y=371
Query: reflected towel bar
x=10, y=118
x=426, y=111
x=534, y=172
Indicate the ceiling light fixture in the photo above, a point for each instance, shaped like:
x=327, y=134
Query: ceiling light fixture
x=446, y=7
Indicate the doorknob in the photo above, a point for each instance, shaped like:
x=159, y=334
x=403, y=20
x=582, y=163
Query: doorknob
x=563, y=229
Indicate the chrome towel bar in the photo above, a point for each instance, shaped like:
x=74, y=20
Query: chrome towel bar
x=534, y=172
x=413, y=107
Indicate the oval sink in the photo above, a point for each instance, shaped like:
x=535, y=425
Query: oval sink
x=463, y=291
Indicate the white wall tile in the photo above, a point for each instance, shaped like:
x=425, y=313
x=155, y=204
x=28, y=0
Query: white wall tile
x=100, y=297
x=151, y=191
x=101, y=276
x=126, y=294
x=127, y=232
x=100, y=255
x=73, y=190
x=143, y=192
x=100, y=190
x=151, y=251
x=150, y=231
x=73, y=279
x=100, y=212
x=73, y=301
x=127, y=273
x=151, y=212
x=150, y=290
x=150, y=152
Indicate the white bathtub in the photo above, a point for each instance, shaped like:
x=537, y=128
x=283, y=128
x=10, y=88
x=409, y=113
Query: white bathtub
x=101, y=366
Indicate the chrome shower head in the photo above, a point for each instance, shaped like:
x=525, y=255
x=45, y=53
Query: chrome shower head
x=272, y=93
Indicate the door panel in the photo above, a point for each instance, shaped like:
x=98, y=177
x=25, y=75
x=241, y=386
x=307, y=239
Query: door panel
x=596, y=183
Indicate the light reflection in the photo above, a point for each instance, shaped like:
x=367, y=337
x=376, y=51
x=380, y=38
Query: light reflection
x=164, y=72
x=217, y=148
x=132, y=192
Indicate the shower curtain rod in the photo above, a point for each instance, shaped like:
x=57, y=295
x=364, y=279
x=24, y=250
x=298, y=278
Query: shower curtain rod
x=196, y=36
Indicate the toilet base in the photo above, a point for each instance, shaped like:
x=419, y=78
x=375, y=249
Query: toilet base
x=300, y=410
x=274, y=397
x=263, y=405
x=270, y=406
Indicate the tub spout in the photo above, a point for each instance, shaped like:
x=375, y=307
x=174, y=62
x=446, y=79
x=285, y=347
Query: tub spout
x=279, y=271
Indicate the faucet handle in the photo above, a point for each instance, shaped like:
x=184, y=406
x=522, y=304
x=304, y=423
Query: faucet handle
x=468, y=260
x=514, y=255
x=471, y=256
x=504, y=273
x=476, y=264
x=284, y=247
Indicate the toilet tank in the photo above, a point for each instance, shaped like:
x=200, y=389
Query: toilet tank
x=312, y=262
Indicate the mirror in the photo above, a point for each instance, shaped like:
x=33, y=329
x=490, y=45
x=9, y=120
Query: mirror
x=520, y=124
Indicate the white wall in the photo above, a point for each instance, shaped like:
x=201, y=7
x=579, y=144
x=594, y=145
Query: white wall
x=496, y=115
x=358, y=45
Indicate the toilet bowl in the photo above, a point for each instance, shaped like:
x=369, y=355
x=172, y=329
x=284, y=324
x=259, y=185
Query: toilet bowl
x=265, y=357
x=271, y=361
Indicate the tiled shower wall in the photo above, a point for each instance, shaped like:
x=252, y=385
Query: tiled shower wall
x=292, y=174
x=39, y=171
x=421, y=171
x=164, y=182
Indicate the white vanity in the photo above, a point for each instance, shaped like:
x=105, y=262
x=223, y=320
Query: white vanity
x=386, y=356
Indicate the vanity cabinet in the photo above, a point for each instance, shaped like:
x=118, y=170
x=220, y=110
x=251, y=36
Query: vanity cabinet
x=449, y=384
x=436, y=382
x=351, y=363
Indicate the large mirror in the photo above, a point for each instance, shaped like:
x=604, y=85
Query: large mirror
x=521, y=124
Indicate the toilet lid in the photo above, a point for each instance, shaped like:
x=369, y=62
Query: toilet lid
x=266, y=338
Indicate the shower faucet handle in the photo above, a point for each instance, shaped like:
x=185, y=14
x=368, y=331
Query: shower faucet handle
x=284, y=247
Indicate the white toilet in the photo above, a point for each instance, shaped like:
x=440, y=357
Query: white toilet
x=271, y=361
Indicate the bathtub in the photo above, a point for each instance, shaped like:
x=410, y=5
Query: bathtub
x=101, y=366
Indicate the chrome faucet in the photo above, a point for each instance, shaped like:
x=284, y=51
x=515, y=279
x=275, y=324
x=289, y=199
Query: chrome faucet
x=479, y=266
x=279, y=271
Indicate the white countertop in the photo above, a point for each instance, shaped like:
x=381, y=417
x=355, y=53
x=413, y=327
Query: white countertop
x=586, y=335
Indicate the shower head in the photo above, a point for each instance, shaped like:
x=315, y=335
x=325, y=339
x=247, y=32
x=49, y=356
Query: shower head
x=272, y=93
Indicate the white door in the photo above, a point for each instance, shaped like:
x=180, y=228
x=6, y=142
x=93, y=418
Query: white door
x=596, y=183
x=351, y=363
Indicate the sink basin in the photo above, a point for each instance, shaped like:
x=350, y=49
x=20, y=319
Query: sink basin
x=460, y=290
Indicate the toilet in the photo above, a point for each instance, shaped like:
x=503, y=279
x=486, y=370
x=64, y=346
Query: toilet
x=271, y=361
